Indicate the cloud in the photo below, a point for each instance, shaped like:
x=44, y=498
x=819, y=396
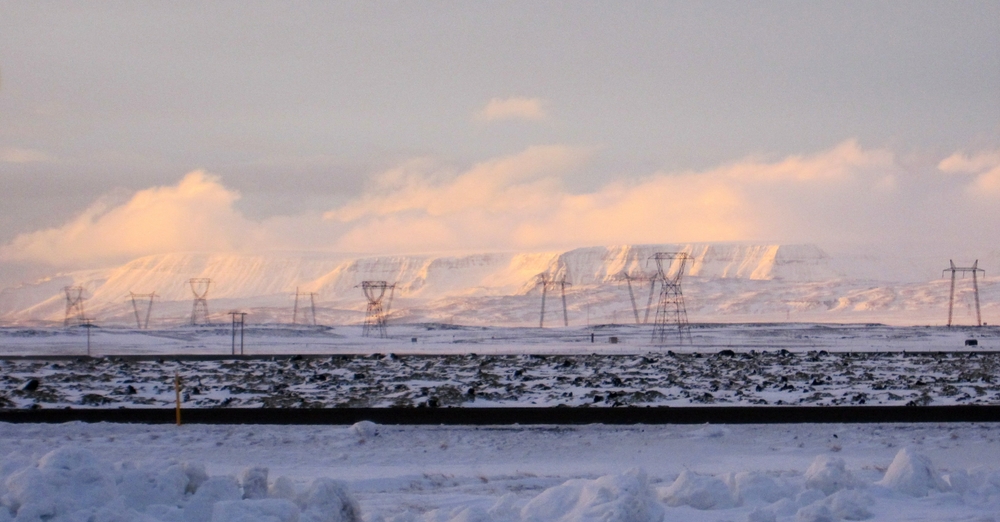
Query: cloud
x=514, y=108
x=522, y=202
x=196, y=214
x=17, y=155
x=984, y=165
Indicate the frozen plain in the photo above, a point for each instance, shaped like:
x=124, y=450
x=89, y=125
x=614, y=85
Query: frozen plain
x=505, y=473
x=422, y=365
x=797, y=472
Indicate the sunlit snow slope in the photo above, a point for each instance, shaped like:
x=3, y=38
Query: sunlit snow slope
x=723, y=282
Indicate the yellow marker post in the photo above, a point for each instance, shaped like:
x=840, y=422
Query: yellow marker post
x=177, y=392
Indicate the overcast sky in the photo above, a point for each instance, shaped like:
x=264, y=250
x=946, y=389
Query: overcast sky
x=140, y=127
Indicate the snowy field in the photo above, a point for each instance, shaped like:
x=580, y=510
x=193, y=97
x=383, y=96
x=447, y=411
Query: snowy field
x=105, y=472
x=797, y=364
x=436, y=338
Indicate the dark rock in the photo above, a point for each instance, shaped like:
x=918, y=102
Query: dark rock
x=31, y=385
x=130, y=390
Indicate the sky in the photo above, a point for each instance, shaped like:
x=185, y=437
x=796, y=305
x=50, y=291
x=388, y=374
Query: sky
x=136, y=128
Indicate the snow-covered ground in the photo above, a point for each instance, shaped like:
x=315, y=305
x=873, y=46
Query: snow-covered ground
x=422, y=365
x=878, y=472
x=436, y=338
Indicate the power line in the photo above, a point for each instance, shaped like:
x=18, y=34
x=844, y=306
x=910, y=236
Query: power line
x=670, y=310
x=974, y=269
x=142, y=323
x=312, y=307
x=199, y=309
x=75, y=314
x=546, y=282
x=376, y=317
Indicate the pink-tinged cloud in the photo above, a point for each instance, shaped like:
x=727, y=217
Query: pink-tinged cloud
x=521, y=202
x=514, y=108
x=985, y=166
x=196, y=214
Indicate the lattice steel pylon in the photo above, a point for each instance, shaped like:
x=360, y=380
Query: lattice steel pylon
x=199, y=309
x=670, y=309
x=142, y=323
x=546, y=281
x=312, y=307
x=75, y=314
x=974, y=269
x=376, y=316
x=629, y=279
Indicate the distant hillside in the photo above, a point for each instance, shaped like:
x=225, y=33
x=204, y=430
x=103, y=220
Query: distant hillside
x=723, y=282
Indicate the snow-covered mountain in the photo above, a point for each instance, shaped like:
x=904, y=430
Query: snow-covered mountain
x=739, y=282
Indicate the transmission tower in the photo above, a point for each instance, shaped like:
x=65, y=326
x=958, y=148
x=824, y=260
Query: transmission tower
x=975, y=270
x=74, y=306
x=199, y=309
x=546, y=282
x=142, y=323
x=311, y=319
x=670, y=310
x=376, y=315
x=638, y=279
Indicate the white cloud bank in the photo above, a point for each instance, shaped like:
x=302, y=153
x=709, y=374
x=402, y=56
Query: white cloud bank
x=514, y=108
x=845, y=194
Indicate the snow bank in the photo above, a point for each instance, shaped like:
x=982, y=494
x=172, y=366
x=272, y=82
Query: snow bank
x=71, y=484
x=911, y=473
x=829, y=475
x=697, y=491
x=754, y=487
x=612, y=498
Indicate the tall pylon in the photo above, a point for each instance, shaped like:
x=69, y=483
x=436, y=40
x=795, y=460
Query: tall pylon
x=670, y=310
x=975, y=270
x=546, y=281
x=376, y=315
x=638, y=279
x=75, y=314
x=199, y=309
x=142, y=321
x=311, y=319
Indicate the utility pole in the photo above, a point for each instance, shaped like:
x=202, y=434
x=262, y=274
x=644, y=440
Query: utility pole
x=974, y=270
x=239, y=318
x=312, y=307
x=546, y=281
x=139, y=323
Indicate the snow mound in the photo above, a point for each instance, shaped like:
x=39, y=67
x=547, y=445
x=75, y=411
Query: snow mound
x=148, y=486
x=611, y=498
x=697, y=491
x=258, y=510
x=911, y=473
x=70, y=484
x=365, y=430
x=327, y=500
x=829, y=475
x=754, y=487
x=254, y=482
x=67, y=483
x=457, y=514
x=817, y=512
x=850, y=505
